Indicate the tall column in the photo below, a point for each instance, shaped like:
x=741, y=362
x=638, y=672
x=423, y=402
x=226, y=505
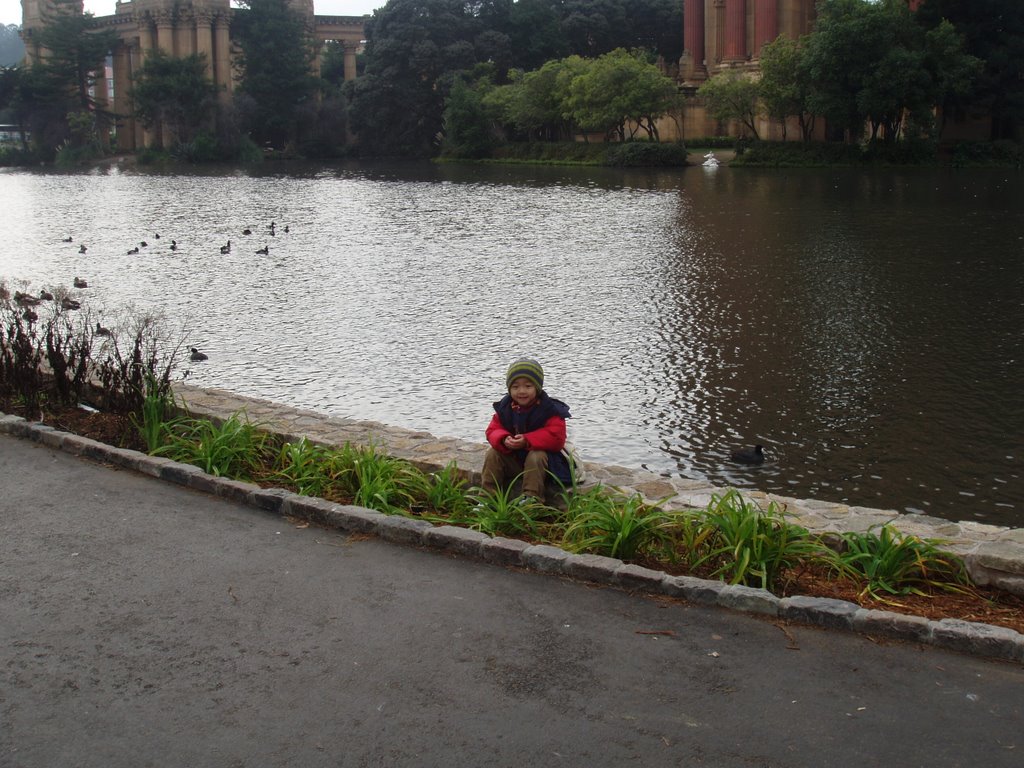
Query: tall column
x=101, y=98
x=735, y=30
x=122, y=103
x=719, y=6
x=185, y=34
x=694, y=69
x=144, y=136
x=766, y=23
x=349, y=48
x=222, y=55
x=165, y=32
x=204, y=39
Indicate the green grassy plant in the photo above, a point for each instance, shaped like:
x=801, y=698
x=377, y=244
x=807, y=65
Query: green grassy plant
x=753, y=547
x=687, y=539
x=233, y=448
x=502, y=513
x=155, y=421
x=893, y=563
x=387, y=484
x=608, y=522
x=446, y=492
x=305, y=466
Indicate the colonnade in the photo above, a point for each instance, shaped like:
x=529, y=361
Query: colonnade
x=180, y=28
x=178, y=31
x=718, y=34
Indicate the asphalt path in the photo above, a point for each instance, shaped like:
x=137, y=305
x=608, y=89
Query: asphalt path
x=144, y=624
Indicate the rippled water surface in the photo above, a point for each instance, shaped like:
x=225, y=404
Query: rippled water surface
x=866, y=327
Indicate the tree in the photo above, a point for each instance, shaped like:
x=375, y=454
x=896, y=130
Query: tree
x=467, y=127
x=993, y=32
x=54, y=99
x=732, y=95
x=74, y=51
x=175, y=93
x=618, y=88
x=784, y=86
x=274, y=69
x=397, y=106
x=535, y=102
x=872, y=62
x=535, y=34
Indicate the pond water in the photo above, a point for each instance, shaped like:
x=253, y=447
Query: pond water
x=866, y=327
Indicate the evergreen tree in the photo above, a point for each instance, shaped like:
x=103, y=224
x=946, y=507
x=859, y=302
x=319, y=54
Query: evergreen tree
x=275, y=84
x=993, y=31
x=175, y=93
x=75, y=52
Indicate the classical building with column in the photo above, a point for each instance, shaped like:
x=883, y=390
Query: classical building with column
x=729, y=34
x=180, y=28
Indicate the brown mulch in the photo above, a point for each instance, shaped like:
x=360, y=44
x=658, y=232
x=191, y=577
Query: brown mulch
x=983, y=605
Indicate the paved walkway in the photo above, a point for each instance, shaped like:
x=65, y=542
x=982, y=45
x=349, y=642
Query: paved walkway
x=143, y=623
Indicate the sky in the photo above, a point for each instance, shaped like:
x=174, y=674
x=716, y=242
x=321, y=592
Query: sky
x=10, y=10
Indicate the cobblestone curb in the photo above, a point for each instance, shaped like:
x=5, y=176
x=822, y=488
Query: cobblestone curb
x=963, y=636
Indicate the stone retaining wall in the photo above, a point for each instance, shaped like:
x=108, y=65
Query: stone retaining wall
x=994, y=555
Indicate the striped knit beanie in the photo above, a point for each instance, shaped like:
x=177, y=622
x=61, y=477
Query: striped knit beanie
x=526, y=368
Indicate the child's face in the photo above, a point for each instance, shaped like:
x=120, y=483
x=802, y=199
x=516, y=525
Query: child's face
x=523, y=391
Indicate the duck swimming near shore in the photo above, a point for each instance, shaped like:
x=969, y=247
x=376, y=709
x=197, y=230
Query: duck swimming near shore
x=753, y=455
x=196, y=355
x=79, y=283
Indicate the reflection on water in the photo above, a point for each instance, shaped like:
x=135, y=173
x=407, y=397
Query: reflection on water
x=865, y=327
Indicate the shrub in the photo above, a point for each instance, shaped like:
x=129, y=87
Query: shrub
x=646, y=154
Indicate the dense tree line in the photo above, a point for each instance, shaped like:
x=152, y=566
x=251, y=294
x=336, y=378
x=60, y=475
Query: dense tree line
x=879, y=65
x=463, y=74
x=416, y=47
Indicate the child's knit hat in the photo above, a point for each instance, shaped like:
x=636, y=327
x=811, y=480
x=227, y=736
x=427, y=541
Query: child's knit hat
x=528, y=368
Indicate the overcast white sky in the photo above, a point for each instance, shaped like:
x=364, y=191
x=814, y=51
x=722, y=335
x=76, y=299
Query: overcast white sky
x=10, y=10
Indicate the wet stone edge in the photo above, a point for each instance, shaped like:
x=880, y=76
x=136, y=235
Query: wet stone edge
x=972, y=638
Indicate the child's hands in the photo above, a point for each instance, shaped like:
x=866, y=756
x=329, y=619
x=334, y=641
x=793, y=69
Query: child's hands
x=515, y=443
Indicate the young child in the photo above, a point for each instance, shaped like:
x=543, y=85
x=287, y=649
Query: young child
x=526, y=434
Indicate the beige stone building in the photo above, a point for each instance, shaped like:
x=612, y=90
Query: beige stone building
x=729, y=34
x=179, y=28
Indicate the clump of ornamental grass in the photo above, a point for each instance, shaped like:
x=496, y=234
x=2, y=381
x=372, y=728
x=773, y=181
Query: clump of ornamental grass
x=754, y=547
x=233, y=448
x=890, y=563
x=608, y=522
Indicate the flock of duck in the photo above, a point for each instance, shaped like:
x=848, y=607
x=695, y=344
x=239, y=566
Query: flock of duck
x=224, y=249
x=28, y=301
